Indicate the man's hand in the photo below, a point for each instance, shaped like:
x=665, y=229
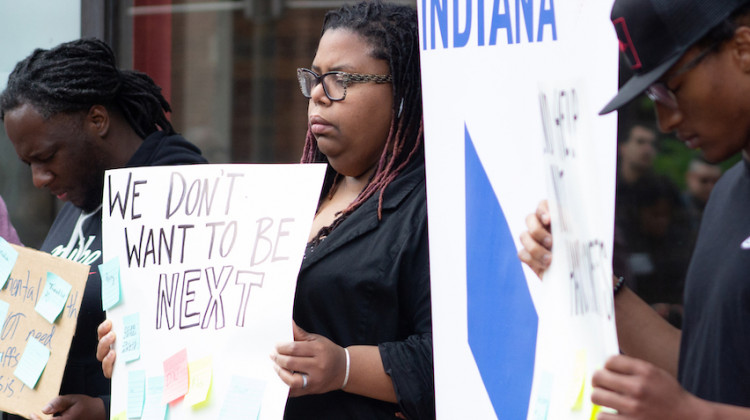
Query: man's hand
x=105, y=350
x=75, y=407
x=639, y=390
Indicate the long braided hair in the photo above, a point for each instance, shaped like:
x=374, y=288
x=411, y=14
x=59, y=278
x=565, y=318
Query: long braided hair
x=392, y=31
x=76, y=75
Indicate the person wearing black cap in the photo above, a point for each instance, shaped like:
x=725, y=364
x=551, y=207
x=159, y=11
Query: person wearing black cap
x=692, y=57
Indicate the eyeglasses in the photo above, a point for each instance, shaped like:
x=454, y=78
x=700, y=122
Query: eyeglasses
x=660, y=91
x=335, y=82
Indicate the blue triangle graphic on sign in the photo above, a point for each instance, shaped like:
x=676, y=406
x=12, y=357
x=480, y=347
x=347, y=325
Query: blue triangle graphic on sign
x=502, y=321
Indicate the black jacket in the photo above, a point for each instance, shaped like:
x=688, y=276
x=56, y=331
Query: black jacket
x=368, y=283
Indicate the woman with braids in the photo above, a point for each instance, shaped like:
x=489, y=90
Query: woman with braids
x=363, y=335
x=71, y=114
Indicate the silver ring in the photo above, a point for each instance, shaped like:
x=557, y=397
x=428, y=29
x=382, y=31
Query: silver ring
x=304, y=380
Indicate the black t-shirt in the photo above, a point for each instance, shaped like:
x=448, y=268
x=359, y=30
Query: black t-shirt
x=715, y=348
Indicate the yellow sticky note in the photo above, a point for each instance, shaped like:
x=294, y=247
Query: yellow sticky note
x=595, y=411
x=200, y=372
x=121, y=416
x=578, y=381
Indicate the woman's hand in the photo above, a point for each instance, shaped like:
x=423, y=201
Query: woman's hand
x=105, y=350
x=537, y=240
x=311, y=364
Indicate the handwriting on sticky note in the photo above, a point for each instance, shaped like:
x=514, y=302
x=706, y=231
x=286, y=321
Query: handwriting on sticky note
x=53, y=298
x=110, y=274
x=8, y=257
x=131, y=340
x=243, y=398
x=154, y=408
x=200, y=372
x=175, y=376
x=136, y=393
x=33, y=361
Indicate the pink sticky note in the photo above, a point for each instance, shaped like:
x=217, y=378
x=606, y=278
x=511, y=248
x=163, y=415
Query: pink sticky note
x=175, y=376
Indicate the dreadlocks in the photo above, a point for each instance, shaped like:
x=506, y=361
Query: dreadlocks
x=76, y=75
x=392, y=31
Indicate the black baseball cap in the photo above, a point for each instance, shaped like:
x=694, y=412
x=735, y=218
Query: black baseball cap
x=654, y=34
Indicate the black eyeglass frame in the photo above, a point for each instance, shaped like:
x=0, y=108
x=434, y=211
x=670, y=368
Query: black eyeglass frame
x=657, y=91
x=345, y=78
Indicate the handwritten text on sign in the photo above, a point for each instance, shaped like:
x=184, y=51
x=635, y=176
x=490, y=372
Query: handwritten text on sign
x=208, y=260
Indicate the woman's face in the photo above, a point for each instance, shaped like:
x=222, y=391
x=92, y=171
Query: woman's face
x=351, y=133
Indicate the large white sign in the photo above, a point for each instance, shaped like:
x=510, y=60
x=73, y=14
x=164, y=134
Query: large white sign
x=208, y=257
x=512, y=90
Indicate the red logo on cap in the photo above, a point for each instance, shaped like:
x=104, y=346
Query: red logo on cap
x=626, y=43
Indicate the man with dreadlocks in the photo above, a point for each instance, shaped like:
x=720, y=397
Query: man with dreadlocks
x=363, y=335
x=71, y=114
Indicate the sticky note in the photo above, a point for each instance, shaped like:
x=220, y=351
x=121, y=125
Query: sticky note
x=595, y=411
x=120, y=416
x=543, y=396
x=154, y=407
x=131, y=340
x=175, y=376
x=136, y=393
x=578, y=381
x=8, y=257
x=33, y=361
x=200, y=373
x=53, y=298
x=110, y=274
x=243, y=398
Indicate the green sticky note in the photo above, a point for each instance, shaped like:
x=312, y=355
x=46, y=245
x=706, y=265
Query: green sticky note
x=8, y=257
x=243, y=398
x=33, y=361
x=131, y=340
x=110, y=274
x=53, y=297
x=136, y=393
x=154, y=408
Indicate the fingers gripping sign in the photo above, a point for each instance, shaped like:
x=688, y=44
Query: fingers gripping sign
x=311, y=364
x=537, y=240
x=105, y=349
x=639, y=390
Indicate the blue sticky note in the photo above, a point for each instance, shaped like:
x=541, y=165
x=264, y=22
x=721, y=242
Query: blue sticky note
x=131, y=340
x=8, y=257
x=243, y=398
x=53, y=298
x=33, y=361
x=136, y=393
x=110, y=274
x=154, y=407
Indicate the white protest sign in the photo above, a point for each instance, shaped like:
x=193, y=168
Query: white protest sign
x=209, y=256
x=502, y=80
